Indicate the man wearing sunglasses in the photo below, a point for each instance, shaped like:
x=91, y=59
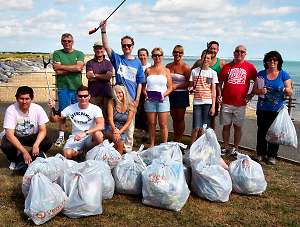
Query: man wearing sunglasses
x=67, y=64
x=87, y=122
x=129, y=73
x=235, y=78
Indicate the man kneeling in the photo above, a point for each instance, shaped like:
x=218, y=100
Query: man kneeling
x=87, y=123
x=25, y=125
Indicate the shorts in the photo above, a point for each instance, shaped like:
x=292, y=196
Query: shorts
x=78, y=145
x=157, y=107
x=233, y=114
x=66, y=97
x=179, y=99
x=201, y=115
x=107, y=131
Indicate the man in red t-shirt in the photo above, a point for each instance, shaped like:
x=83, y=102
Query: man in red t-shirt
x=235, y=78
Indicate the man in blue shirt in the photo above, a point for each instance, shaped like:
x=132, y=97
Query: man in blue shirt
x=129, y=73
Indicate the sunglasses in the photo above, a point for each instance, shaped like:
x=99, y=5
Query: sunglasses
x=240, y=51
x=177, y=52
x=82, y=96
x=272, y=59
x=66, y=41
x=156, y=55
x=126, y=45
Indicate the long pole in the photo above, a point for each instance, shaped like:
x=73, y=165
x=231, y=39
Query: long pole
x=92, y=31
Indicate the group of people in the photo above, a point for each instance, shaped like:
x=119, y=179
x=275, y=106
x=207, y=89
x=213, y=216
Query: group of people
x=144, y=93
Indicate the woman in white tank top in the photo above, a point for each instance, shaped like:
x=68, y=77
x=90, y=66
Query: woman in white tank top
x=179, y=98
x=156, y=90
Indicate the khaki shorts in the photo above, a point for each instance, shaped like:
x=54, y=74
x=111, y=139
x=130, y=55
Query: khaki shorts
x=78, y=145
x=232, y=114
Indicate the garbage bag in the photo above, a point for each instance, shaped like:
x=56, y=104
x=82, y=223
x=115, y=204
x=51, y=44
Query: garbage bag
x=45, y=199
x=247, y=176
x=51, y=167
x=164, y=185
x=105, y=152
x=282, y=131
x=211, y=182
x=128, y=174
x=108, y=183
x=169, y=150
x=187, y=174
x=205, y=148
x=82, y=184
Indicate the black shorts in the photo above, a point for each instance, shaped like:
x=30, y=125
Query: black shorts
x=179, y=99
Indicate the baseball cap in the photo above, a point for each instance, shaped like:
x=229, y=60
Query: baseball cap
x=98, y=44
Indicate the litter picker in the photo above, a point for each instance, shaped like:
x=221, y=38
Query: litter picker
x=92, y=31
x=46, y=63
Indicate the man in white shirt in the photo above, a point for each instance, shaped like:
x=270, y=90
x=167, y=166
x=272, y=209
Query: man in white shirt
x=87, y=122
x=25, y=125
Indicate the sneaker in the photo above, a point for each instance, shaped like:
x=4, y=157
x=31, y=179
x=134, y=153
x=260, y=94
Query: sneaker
x=60, y=141
x=259, y=158
x=12, y=166
x=224, y=151
x=234, y=151
x=271, y=161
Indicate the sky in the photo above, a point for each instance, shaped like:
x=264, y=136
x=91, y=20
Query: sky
x=262, y=26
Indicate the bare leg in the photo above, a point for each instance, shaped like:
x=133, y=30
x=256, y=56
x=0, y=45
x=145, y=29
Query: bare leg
x=178, y=122
x=163, y=124
x=226, y=135
x=213, y=122
x=97, y=137
x=70, y=153
x=237, y=135
x=194, y=135
x=152, y=119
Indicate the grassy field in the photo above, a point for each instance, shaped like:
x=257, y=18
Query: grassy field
x=278, y=206
x=12, y=55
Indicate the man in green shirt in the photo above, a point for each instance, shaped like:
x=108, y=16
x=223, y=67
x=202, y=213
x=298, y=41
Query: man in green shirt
x=68, y=64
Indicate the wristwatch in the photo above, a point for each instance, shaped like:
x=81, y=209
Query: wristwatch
x=94, y=76
x=86, y=132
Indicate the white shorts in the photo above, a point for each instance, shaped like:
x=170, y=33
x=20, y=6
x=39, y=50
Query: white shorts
x=78, y=145
x=233, y=114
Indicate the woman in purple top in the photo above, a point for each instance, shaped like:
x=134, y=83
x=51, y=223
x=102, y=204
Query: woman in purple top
x=271, y=86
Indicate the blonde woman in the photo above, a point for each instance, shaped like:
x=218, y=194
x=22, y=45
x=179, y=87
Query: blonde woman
x=120, y=116
x=157, y=89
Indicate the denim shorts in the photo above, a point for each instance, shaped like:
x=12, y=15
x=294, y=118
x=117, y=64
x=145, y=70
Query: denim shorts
x=78, y=145
x=201, y=115
x=157, y=107
x=66, y=97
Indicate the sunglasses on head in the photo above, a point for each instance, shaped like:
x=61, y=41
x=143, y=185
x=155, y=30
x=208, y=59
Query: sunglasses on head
x=177, y=52
x=156, y=55
x=126, y=45
x=240, y=51
x=66, y=41
x=82, y=96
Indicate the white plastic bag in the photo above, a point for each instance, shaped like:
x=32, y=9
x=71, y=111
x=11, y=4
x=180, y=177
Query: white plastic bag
x=51, y=167
x=45, y=199
x=247, y=176
x=169, y=150
x=164, y=185
x=82, y=184
x=105, y=152
x=108, y=183
x=282, y=131
x=205, y=148
x=128, y=174
x=211, y=182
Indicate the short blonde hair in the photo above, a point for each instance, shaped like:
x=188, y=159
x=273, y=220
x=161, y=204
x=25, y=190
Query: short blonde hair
x=157, y=49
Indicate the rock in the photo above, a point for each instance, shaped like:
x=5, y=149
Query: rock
x=3, y=78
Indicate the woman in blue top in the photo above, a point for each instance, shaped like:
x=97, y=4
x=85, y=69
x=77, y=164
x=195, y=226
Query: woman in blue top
x=120, y=116
x=271, y=86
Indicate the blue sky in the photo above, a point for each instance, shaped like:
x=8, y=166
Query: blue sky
x=36, y=25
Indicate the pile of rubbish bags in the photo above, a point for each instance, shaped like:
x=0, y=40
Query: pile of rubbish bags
x=161, y=175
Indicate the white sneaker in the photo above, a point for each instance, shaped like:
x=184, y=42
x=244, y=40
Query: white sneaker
x=60, y=141
x=12, y=166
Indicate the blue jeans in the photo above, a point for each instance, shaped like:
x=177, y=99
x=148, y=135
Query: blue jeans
x=66, y=97
x=201, y=115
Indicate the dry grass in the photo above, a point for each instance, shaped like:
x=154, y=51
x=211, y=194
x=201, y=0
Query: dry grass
x=278, y=206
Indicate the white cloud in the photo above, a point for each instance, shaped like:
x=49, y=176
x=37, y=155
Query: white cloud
x=16, y=4
x=82, y=8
